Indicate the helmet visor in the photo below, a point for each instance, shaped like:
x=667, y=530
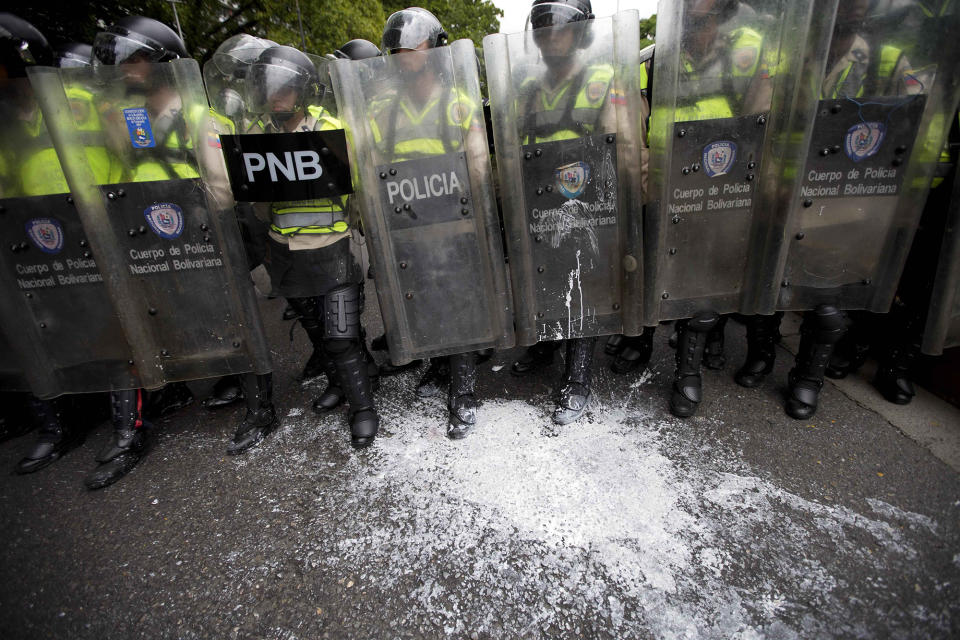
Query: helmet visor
x=409, y=31
x=553, y=14
x=272, y=88
x=72, y=61
x=112, y=48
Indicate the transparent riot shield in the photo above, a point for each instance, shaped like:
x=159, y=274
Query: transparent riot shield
x=877, y=90
x=566, y=110
x=60, y=323
x=423, y=182
x=943, y=317
x=723, y=82
x=162, y=228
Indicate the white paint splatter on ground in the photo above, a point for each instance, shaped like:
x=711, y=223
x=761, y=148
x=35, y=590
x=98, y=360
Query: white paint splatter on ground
x=601, y=529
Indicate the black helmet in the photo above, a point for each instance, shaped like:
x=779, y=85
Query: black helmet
x=74, y=54
x=357, y=50
x=21, y=46
x=554, y=13
x=409, y=28
x=281, y=69
x=137, y=36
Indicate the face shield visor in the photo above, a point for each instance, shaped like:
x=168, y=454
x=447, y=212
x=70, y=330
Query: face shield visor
x=408, y=30
x=70, y=60
x=553, y=14
x=278, y=89
x=236, y=54
x=114, y=48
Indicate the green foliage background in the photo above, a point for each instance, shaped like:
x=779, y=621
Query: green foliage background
x=327, y=24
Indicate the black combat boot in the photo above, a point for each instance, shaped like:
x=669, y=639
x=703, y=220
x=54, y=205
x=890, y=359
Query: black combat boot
x=691, y=343
x=260, y=417
x=893, y=374
x=388, y=368
x=536, y=357
x=713, y=357
x=53, y=440
x=226, y=391
x=822, y=328
x=574, y=396
x=128, y=443
x=314, y=367
x=763, y=332
x=364, y=423
x=461, y=399
x=615, y=345
x=332, y=396
x=852, y=350
x=636, y=352
x=169, y=399
x=435, y=379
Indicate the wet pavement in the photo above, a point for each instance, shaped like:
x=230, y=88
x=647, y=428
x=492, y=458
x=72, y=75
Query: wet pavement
x=739, y=523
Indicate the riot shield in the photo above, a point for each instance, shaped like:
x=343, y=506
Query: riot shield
x=878, y=90
x=423, y=181
x=943, y=317
x=162, y=229
x=724, y=80
x=60, y=323
x=568, y=137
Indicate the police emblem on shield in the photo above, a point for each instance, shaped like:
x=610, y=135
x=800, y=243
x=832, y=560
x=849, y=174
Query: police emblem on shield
x=165, y=219
x=718, y=158
x=572, y=179
x=863, y=140
x=46, y=233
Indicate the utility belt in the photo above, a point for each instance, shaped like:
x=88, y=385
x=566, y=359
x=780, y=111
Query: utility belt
x=302, y=220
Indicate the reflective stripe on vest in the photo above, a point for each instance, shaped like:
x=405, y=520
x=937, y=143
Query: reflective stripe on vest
x=561, y=116
x=425, y=133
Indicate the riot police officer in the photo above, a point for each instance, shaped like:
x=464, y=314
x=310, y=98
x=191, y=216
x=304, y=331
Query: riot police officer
x=309, y=255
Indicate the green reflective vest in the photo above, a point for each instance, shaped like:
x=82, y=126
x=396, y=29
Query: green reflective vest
x=568, y=111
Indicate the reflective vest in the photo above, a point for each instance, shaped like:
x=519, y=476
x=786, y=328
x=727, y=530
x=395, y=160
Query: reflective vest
x=40, y=170
x=320, y=215
x=568, y=111
x=172, y=158
x=404, y=131
x=727, y=78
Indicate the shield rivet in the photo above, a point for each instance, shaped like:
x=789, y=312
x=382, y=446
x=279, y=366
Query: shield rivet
x=132, y=232
x=383, y=176
x=121, y=193
x=206, y=238
x=527, y=155
x=696, y=167
x=86, y=254
x=762, y=120
x=538, y=239
x=393, y=172
x=801, y=235
x=43, y=325
x=164, y=353
x=331, y=186
x=673, y=251
x=549, y=188
x=111, y=196
x=152, y=311
x=749, y=177
x=835, y=108
x=785, y=283
x=464, y=201
x=835, y=149
x=825, y=151
x=751, y=165
x=403, y=265
x=897, y=162
x=539, y=314
x=616, y=306
x=29, y=295
x=324, y=151
x=540, y=269
x=236, y=344
x=204, y=227
x=610, y=139
x=24, y=246
x=409, y=296
x=681, y=133
x=141, y=229
x=407, y=207
x=676, y=220
x=464, y=212
x=685, y=171
x=665, y=295
x=69, y=201
x=130, y=362
x=808, y=203
x=867, y=281
x=538, y=153
x=539, y=191
x=901, y=149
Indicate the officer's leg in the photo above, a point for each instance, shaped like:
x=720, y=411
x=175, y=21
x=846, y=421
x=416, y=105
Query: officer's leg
x=819, y=332
x=713, y=357
x=461, y=399
x=436, y=377
x=170, y=398
x=128, y=443
x=53, y=440
x=763, y=332
x=575, y=393
x=851, y=351
x=260, y=417
x=342, y=307
x=309, y=313
x=691, y=343
x=226, y=391
x=615, y=344
x=898, y=350
x=636, y=352
x=536, y=357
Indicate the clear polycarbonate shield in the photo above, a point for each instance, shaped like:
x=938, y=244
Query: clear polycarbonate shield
x=162, y=227
x=873, y=114
x=568, y=121
x=723, y=83
x=60, y=324
x=943, y=317
x=423, y=183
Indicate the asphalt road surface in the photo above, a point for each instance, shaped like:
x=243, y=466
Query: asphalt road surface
x=739, y=523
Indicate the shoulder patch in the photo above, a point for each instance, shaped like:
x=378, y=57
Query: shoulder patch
x=745, y=57
x=596, y=91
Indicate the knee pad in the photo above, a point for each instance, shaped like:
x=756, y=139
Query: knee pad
x=826, y=322
x=342, y=306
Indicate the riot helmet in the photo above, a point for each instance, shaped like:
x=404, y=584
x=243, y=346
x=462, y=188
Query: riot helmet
x=358, y=49
x=559, y=28
x=235, y=54
x=137, y=39
x=21, y=46
x=73, y=55
x=555, y=13
x=410, y=29
x=282, y=82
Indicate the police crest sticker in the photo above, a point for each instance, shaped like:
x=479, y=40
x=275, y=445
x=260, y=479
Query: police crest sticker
x=718, y=158
x=46, y=233
x=165, y=219
x=863, y=140
x=138, y=125
x=572, y=179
